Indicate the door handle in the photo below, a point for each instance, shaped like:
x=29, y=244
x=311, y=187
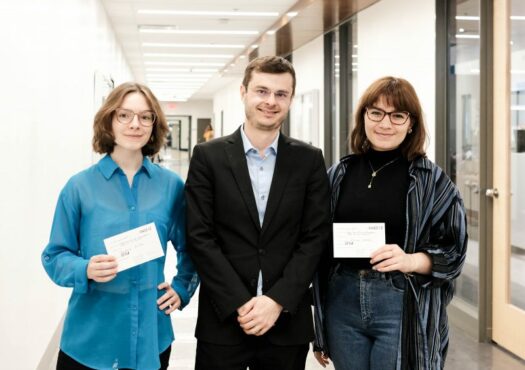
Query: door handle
x=493, y=193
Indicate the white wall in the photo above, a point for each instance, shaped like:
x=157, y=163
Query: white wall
x=228, y=100
x=50, y=53
x=397, y=37
x=308, y=62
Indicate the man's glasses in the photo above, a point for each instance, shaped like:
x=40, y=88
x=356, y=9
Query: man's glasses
x=125, y=116
x=377, y=115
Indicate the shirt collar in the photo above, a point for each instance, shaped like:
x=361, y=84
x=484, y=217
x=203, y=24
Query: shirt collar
x=248, y=145
x=108, y=166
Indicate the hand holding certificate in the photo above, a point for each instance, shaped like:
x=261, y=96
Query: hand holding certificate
x=357, y=240
x=134, y=247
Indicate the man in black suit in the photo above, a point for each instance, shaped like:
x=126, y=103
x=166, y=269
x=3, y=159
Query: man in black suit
x=257, y=223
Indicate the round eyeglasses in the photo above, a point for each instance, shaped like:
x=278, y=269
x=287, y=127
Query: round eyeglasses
x=377, y=115
x=125, y=116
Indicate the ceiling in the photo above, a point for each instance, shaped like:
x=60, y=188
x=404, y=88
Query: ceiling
x=165, y=51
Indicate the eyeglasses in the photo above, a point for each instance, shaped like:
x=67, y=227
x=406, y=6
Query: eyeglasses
x=125, y=116
x=377, y=115
x=263, y=93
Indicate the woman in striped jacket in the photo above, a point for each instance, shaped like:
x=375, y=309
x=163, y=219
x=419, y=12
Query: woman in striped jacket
x=388, y=310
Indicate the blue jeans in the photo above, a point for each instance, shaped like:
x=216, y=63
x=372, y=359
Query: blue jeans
x=363, y=319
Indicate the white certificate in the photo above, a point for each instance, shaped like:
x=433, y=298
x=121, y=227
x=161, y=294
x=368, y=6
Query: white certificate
x=135, y=246
x=357, y=240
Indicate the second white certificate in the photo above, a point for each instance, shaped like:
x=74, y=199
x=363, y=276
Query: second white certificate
x=357, y=240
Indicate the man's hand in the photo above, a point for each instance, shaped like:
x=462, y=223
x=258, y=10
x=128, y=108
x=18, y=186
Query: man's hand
x=258, y=315
x=102, y=268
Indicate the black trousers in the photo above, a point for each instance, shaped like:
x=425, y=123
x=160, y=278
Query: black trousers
x=255, y=353
x=67, y=363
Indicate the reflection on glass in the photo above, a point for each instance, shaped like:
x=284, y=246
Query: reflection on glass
x=517, y=263
x=463, y=135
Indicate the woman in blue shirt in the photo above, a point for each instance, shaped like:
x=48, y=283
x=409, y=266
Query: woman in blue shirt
x=120, y=320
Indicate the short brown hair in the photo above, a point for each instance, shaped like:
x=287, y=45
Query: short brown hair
x=400, y=94
x=103, y=138
x=269, y=64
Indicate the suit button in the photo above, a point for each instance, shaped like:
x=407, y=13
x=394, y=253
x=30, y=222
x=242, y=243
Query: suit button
x=262, y=252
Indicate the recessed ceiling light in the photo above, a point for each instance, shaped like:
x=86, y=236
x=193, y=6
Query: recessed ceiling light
x=191, y=71
x=255, y=46
x=177, y=55
x=458, y=36
x=467, y=18
x=212, y=13
x=203, y=46
x=183, y=64
x=154, y=29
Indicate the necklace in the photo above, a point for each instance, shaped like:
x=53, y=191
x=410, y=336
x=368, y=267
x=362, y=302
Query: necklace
x=375, y=172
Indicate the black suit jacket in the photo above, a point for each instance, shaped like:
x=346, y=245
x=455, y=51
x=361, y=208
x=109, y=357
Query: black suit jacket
x=229, y=247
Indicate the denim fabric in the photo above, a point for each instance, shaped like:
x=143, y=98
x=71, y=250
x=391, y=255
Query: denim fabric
x=363, y=319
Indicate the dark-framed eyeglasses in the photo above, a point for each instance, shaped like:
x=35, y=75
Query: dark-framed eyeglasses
x=125, y=116
x=396, y=118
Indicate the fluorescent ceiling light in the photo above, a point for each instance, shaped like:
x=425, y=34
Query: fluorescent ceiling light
x=203, y=13
x=354, y=55
x=255, y=46
x=517, y=17
x=467, y=36
x=183, y=64
x=198, y=46
x=148, y=29
x=467, y=18
x=180, y=76
x=292, y=14
x=175, y=79
x=191, y=71
x=177, y=55
x=271, y=32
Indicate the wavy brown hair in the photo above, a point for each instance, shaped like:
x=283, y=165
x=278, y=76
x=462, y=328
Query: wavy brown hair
x=400, y=94
x=103, y=138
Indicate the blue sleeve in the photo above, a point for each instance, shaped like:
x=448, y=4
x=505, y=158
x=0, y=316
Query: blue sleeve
x=61, y=258
x=186, y=281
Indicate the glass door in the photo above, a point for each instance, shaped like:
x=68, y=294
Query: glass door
x=508, y=192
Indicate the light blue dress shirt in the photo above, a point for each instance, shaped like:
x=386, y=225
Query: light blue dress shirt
x=117, y=324
x=261, y=175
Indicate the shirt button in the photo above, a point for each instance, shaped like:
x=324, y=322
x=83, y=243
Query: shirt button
x=262, y=251
x=132, y=208
x=262, y=197
x=46, y=258
x=134, y=332
x=261, y=168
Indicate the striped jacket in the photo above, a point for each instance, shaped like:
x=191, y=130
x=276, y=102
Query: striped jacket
x=436, y=224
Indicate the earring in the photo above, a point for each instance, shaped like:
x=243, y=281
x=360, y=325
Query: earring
x=151, y=138
x=409, y=130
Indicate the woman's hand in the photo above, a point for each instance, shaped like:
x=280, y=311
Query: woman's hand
x=102, y=268
x=323, y=359
x=170, y=300
x=391, y=257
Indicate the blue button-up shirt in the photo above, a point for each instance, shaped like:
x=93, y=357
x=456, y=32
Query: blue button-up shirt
x=261, y=174
x=117, y=324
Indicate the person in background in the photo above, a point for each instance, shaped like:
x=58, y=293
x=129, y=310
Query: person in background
x=258, y=219
x=120, y=319
x=388, y=311
x=208, y=133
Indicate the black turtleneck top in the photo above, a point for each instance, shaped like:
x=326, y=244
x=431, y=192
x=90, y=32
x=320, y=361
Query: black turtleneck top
x=384, y=202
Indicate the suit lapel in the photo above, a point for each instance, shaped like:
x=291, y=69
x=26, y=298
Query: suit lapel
x=281, y=173
x=237, y=159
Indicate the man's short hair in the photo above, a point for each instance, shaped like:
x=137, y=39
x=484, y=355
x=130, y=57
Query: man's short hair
x=269, y=64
